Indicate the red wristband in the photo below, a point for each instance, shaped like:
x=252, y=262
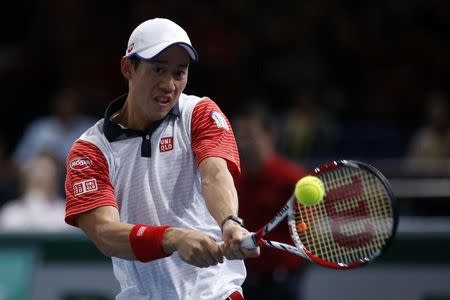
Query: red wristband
x=146, y=242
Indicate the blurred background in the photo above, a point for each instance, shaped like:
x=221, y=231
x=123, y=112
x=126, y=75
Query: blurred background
x=341, y=79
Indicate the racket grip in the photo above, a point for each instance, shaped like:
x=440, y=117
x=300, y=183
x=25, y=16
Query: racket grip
x=249, y=241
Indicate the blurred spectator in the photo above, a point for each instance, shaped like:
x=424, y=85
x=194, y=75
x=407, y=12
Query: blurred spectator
x=429, y=147
x=39, y=207
x=8, y=175
x=266, y=183
x=57, y=132
x=307, y=131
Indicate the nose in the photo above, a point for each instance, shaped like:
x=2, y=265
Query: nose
x=167, y=84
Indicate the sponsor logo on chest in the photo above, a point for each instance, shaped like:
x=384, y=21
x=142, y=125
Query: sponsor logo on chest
x=166, y=144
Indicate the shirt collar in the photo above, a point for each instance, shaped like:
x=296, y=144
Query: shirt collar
x=114, y=131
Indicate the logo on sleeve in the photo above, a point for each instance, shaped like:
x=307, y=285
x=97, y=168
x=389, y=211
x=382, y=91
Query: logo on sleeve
x=80, y=163
x=220, y=120
x=85, y=186
x=166, y=144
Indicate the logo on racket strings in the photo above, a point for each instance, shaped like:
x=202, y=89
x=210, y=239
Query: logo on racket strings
x=349, y=221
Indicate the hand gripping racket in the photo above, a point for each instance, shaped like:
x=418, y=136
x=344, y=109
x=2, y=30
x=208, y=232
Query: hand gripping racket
x=351, y=227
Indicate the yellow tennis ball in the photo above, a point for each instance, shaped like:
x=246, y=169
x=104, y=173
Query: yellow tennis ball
x=309, y=190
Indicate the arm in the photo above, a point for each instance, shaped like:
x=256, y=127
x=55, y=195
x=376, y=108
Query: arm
x=221, y=199
x=102, y=225
x=96, y=213
x=113, y=238
x=218, y=188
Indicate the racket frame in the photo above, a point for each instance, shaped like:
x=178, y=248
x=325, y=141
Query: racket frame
x=257, y=238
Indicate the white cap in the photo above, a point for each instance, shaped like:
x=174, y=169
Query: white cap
x=155, y=35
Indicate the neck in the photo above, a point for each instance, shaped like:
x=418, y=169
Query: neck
x=130, y=117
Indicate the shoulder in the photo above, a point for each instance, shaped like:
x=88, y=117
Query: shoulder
x=197, y=110
x=92, y=141
x=191, y=102
x=96, y=129
x=188, y=102
x=95, y=134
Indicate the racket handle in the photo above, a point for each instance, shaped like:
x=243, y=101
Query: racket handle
x=249, y=241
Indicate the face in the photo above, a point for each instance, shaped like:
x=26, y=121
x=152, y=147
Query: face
x=155, y=86
x=41, y=173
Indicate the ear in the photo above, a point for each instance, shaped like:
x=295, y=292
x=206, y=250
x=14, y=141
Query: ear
x=126, y=67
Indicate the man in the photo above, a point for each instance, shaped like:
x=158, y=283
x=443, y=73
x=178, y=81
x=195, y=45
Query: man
x=40, y=195
x=151, y=184
x=267, y=181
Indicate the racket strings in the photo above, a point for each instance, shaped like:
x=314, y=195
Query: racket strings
x=346, y=227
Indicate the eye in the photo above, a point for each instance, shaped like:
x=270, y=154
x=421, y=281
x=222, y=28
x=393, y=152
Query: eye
x=158, y=69
x=180, y=74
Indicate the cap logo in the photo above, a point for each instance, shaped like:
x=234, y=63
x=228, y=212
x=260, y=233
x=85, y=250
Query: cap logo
x=130, y=47
x=80, y=163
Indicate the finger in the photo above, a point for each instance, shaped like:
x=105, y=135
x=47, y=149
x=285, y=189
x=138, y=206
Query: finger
x=196, y=261
x=238, y=254
x=199, y=258
x=209, y=253
x=215, y=251
x=230, y=254
x=227, y=251
x=223, y=249
x=205, y=260
x=215, y=254
x=236, y=244
x=248, y=253
x=209, y=259
x=218, y=254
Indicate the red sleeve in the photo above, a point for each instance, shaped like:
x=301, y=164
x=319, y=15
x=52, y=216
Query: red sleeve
x=212, y=135
x=87, y=181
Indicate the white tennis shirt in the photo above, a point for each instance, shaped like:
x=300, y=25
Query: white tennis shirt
x=152, y=178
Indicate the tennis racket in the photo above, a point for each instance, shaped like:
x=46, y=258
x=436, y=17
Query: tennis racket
x=352, y=226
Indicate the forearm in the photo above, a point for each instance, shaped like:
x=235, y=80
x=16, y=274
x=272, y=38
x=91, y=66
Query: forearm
x=127, y=241
x=222, y=201
x=112, y=239
x=219, y=190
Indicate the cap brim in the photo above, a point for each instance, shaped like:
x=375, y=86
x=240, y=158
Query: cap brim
x=151, y=52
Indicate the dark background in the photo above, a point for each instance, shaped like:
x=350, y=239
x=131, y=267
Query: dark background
x=369, y=61
x=369, y=67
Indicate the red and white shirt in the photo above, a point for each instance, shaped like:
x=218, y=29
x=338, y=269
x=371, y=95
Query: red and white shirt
x=153, y=178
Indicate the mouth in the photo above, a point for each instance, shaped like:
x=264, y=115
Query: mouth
x=162, y=100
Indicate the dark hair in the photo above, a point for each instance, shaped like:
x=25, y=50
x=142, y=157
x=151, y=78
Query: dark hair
x=135, y=61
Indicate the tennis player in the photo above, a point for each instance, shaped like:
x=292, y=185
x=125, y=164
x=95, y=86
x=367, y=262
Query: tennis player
x=151, y=184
